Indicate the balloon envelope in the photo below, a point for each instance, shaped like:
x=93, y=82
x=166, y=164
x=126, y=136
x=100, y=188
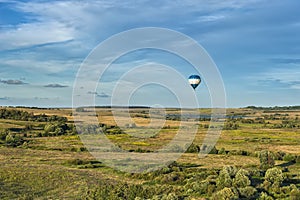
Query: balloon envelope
x=194, y=81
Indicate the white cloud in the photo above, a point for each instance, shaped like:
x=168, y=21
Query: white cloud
x=288, y=78
x=236, y=34
x=58, y=21
x=32, y=64
x=26, y=35
x=209, y=18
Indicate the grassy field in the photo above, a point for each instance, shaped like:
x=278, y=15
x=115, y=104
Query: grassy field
x=53, y=163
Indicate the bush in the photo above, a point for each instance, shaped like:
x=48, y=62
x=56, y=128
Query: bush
x=279, y=155
x=265, y=196
x=82, y=149
x=289, y=158
x=211, y=189
x=77, y=162
x=247, y=192
x=208, y=149
x=3, y=135
x=295, y=194
x=170, y=196
x=298, y=159
x=239, y=152
x=225, y=177
x=225, y=194
x=114, y=131
x=202, y=187
x=222, y=151
x=13, y=140
x=55, y=129
x=213, y=150
x=230, y=126
x=266, y=159
x=241, y=179
x=232, y=170
x=274, y=176
x=193, y=148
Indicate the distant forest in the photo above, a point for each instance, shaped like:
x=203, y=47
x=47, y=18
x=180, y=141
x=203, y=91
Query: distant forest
x=275, y=108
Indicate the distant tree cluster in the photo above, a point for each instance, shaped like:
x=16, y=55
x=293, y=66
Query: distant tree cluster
x=15, y=114
x=288, y=124
x=275, y=108
x=266, y=159
x=11, y=140
x=57, y=129
x=231, y=125
x=98, y=129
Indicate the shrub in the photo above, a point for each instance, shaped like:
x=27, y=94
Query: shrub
x=73, y=149
x=211, y=189
x=247, y=192
x=3, y=135
x=13, y=140
x=170, y=196
x=222, y=151
x=241, y=179
x=225, y=177
x=298, y=159
x=295, y=194
x=274, y=176
x=114, y=131
x=202, y=187
x=289, y=158
x=266, y=159
x=239, y=152
x=55, y=129
x=213, y=150
x=193, y=148
x=265, y=196
x=208, y=149
x=232, y=170
x=76, y=162
x=279, y=155
x=225, y=194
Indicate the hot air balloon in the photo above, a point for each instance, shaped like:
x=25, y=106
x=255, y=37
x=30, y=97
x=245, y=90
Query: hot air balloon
x=194, y=81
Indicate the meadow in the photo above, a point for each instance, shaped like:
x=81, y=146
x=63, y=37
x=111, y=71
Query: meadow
x=257, y=155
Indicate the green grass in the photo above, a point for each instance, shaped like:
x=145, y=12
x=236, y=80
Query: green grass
x=59, y=168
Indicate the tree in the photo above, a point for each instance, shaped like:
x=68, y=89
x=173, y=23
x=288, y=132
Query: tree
x=247, y=192
x=193, y=148
x=241, y=179
x=225, y=194
x=49, y=128
x=266, y=159
x=222, y=151
x=3, y=134
x=225, y=177
x=265, y=196
x=295, y=194
x=170, y=196
x=13, y=140
x=274, y=176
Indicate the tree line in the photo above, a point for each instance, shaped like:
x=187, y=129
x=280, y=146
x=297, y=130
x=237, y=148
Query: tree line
x=15, y=114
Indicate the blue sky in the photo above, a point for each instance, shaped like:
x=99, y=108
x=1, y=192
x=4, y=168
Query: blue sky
x=255, y=44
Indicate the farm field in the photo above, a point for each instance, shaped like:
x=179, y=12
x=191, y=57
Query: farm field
x=257, y=155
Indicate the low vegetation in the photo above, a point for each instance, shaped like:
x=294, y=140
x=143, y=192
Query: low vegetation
x=256, y=157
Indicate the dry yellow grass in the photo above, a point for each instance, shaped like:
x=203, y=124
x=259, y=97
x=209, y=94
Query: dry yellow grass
x=218, y=161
